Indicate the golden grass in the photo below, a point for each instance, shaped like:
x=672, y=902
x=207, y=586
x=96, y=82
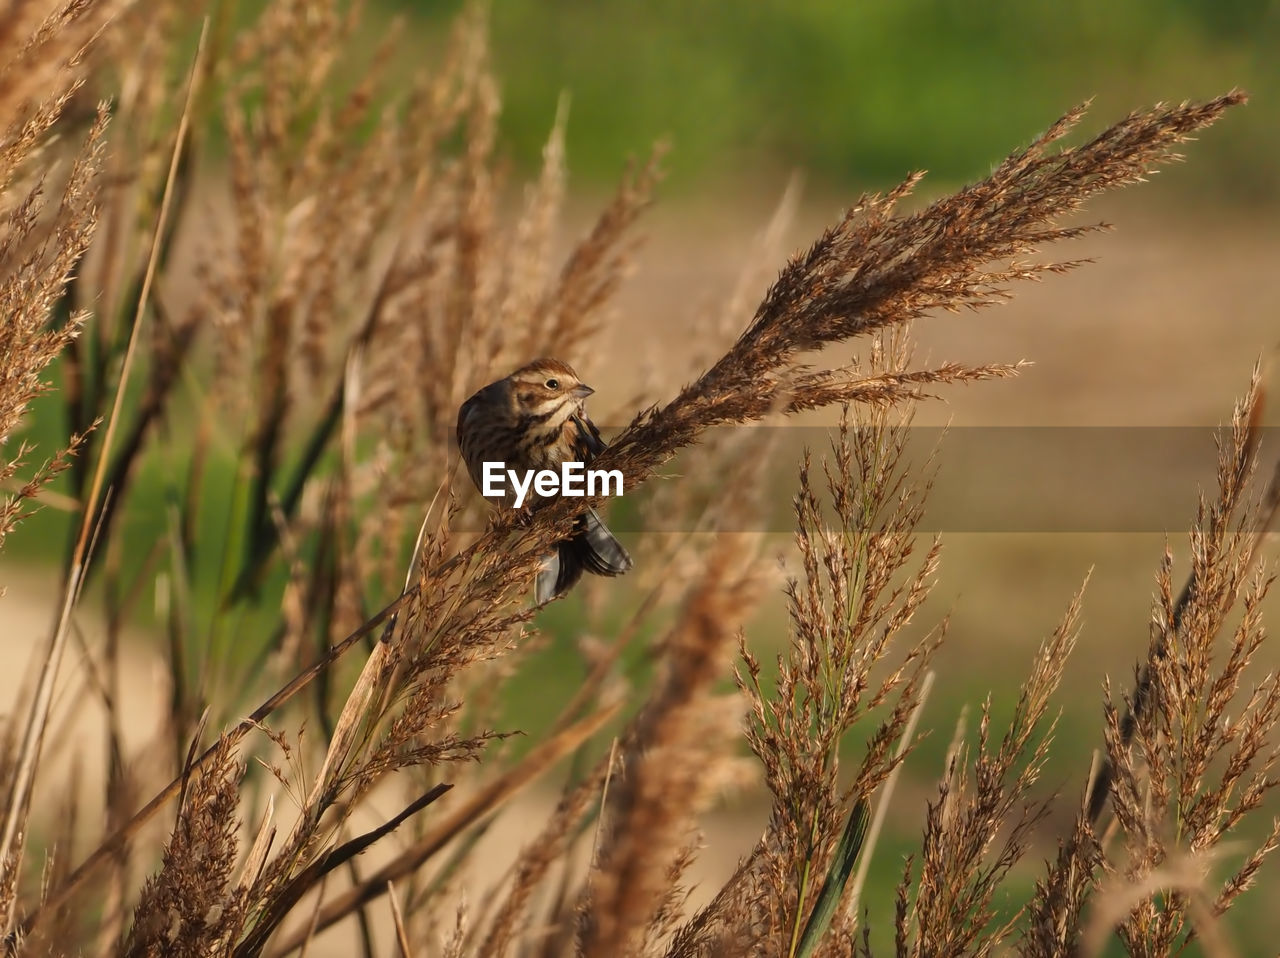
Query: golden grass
x=367, y=284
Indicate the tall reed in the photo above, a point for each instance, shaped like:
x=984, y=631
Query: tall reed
x=273, y=404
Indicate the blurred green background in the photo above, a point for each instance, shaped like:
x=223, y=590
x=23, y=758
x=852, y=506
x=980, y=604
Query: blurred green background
x=857, y=94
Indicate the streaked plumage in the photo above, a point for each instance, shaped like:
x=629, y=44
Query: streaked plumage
x=536, y=419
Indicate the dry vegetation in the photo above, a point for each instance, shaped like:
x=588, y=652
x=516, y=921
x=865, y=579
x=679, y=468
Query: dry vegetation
x=367, y=285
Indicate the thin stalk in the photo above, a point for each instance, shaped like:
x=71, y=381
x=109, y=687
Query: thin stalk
x=882, y=809
x=29, y=755
x=804, y=890
x=463, y=817
x=58, y=897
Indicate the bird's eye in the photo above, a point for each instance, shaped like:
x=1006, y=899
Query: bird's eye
x=552, y=384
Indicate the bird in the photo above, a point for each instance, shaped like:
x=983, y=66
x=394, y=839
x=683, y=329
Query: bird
x=536, y=419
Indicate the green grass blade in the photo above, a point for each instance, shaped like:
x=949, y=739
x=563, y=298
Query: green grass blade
x=846, y=855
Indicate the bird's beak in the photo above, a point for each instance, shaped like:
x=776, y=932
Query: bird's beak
x=581, y=391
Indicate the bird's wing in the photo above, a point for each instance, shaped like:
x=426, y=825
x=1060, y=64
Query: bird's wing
x=588, y=441
x=463, y=411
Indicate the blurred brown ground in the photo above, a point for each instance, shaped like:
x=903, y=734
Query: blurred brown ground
x=1162, y=330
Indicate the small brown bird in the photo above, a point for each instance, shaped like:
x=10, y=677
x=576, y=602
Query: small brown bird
x=536, y=419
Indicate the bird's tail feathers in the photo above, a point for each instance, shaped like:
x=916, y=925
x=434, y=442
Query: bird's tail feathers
x=592, y=548
x=596, y=548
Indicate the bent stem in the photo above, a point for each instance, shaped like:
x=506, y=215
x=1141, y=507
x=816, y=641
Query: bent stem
x=29, y=756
